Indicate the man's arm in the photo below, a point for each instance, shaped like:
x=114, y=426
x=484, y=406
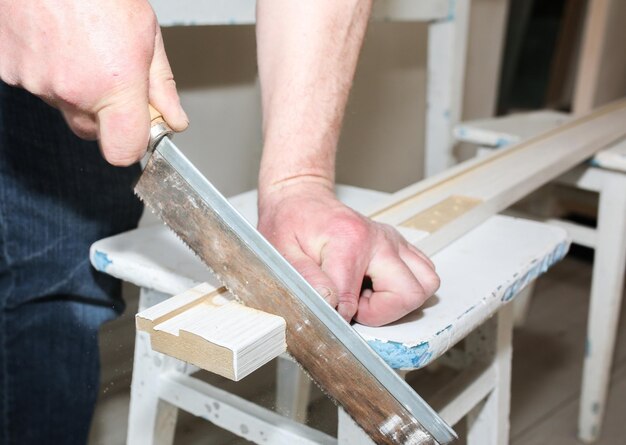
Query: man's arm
x=98, y=61
x=307, y=57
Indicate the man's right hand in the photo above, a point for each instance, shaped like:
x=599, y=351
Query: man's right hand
x=99, y=62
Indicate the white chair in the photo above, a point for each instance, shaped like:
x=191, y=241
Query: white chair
x=606, y=175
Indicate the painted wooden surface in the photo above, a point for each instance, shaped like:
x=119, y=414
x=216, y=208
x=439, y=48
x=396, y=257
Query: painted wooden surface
x=503, y=131
x=606, y=299
x=447, y=50
x=480, y=273
x=505, y=176
x=242, y=12
x=607, y=179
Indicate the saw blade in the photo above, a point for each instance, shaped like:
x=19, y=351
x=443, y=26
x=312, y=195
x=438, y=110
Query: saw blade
x=322, y=342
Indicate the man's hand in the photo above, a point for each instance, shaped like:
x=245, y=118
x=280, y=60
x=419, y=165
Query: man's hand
x=99, y=62
x=335, y=248
x=307, y=56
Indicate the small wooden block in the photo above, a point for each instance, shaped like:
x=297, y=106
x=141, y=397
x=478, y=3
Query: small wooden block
x=205, y=327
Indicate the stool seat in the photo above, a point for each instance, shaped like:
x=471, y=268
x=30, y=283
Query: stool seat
x=479, y=273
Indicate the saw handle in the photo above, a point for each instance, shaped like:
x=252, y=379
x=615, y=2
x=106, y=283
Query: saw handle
x=158, y=128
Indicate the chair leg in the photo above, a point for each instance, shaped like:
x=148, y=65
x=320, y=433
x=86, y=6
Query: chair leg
x=349, y=433
x=293, y=390
x=151, y=421
x=606, y=295
x=488, y=423
x=521, y=305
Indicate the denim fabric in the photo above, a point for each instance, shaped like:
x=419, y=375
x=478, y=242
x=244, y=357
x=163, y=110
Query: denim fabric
x=57, y=196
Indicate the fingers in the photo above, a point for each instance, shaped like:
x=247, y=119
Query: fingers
x=396, y=290
x=163, y=94
x=420, y=254
x=124, y=121
x=82, y=124
x=313, y=273
x=422, y=268
x=346, y=269
x=123, y=126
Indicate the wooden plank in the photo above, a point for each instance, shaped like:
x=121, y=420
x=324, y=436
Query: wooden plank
x=203, y=327
x=505, y=176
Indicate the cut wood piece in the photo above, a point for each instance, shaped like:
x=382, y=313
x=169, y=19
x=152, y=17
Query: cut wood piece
x=498, y=180
x=207, y=328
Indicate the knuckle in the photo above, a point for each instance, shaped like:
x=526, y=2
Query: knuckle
x=430, y=282
x=352, y=229
x=414, y=299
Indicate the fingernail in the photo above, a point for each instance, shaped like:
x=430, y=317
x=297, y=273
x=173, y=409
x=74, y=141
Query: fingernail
x=344, y=313
x=326, y=293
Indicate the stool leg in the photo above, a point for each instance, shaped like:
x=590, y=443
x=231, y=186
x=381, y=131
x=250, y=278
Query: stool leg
x=150, y=421
x=348, y=432
x=293, y=390
x=521, y=305
x=488, y=422
x=606, y=294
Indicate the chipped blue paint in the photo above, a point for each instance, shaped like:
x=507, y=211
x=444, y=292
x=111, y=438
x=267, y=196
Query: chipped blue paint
x=587, y=347
x=101, y=261
x=502, y=142
x=451, y=10
x=446, y=114
x=595, y=408
x=594, y=163
x=441, y=331
x=467, y=311
x=539, y=268
x=400, y=356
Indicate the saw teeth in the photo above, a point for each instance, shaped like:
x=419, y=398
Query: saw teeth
x=216, y=275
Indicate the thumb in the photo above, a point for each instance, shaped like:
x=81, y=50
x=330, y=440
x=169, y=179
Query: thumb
x=123, y=126
x=163, y=94
x=314, y=274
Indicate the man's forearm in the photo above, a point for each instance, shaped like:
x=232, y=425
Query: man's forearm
x=307, y=55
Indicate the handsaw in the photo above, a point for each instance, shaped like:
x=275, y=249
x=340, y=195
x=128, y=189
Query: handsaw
x=319, y=339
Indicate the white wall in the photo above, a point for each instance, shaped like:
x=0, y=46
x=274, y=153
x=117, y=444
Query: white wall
x=381, y=146
x=383, y=137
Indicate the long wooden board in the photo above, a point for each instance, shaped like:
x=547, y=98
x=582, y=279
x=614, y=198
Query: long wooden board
x=450, y=204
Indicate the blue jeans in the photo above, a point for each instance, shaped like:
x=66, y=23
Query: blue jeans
x=57, y=196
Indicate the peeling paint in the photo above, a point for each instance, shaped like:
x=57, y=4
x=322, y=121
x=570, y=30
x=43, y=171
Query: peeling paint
x=400, y=356
x=101, y=261
x=539, y=268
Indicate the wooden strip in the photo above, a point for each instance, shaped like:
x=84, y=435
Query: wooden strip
x=502, y=178
x=201, y=327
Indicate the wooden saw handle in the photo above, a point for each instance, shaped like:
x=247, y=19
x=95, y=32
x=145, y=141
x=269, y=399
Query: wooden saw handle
x=158, y=128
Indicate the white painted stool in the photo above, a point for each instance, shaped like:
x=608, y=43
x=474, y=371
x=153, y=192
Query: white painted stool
x=606, y=175
x=480, y=273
